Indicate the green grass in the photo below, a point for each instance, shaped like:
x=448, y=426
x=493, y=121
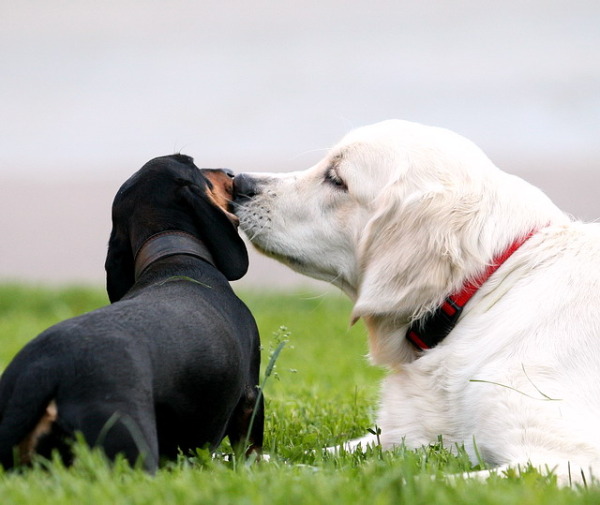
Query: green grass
x=322, y=392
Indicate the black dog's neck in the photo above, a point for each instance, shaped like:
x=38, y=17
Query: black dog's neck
x=169, y=243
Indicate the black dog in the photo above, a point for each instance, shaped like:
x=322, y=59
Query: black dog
x=174, y=362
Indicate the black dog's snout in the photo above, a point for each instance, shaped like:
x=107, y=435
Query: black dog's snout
x=244, y=186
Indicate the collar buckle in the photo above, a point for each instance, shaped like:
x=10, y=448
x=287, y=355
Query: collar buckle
x=431, y=330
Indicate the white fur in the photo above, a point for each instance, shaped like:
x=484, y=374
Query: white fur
x=518, y=379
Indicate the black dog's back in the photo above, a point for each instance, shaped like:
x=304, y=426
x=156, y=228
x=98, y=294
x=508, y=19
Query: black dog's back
x=173, y=364
x=95, y=371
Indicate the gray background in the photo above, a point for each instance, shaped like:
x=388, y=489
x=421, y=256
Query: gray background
x=89, y=91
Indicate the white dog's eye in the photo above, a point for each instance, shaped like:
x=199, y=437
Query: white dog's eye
x=332, y=177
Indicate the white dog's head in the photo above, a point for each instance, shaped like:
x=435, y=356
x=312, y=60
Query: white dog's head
x=398, y=215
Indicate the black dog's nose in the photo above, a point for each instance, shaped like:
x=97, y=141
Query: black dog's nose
x=244, y=186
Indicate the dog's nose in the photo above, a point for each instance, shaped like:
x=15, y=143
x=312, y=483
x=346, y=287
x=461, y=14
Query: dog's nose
x=244, y=186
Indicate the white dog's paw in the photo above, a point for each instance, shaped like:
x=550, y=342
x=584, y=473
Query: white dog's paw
x=352, y=445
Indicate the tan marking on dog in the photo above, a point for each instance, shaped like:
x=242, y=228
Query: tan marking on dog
x=221, y=193
x=28, y=445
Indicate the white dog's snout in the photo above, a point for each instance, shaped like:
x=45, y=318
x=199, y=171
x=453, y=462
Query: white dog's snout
x=245, y=186
x=249, y=185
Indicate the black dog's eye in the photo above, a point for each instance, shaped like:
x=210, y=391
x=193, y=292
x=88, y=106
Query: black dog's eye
x=332, y=177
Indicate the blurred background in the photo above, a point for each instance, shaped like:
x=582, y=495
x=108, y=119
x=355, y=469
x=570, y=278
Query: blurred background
x=89, y=91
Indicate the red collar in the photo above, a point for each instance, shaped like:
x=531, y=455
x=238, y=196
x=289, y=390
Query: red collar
x=431, y=330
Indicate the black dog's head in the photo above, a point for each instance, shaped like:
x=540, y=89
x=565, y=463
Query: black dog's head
x=171, y=193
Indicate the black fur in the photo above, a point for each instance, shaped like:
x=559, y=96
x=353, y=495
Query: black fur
x=173, y=363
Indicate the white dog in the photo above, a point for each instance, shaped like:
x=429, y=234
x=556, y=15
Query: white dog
x=414, y=223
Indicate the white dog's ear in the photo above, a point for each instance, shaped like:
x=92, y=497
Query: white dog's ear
x=413, y=252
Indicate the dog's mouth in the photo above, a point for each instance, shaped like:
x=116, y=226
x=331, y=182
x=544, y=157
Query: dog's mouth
x=291, y=261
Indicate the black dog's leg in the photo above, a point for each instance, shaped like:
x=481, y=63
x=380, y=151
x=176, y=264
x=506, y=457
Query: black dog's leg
x=258, y=428
x=24, y=396
x=119, y=431
x=247, y=422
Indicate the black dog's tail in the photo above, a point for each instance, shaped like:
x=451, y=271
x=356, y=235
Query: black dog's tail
x=25, y=402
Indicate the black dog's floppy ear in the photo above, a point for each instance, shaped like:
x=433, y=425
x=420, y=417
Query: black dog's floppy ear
x=119, y=265
x=219, y=232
